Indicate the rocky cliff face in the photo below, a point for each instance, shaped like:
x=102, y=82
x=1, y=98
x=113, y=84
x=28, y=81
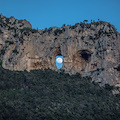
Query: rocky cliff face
x=90, y=49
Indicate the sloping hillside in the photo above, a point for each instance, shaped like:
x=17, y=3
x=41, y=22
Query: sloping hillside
x=49, y=95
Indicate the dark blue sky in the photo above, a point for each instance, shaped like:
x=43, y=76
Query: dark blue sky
x=49, y=13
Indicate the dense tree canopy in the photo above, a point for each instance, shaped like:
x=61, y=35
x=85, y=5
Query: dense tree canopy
x=49, y=95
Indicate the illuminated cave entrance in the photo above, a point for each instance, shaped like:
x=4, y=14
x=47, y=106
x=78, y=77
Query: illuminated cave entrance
x=59, y=61
x=59, y=58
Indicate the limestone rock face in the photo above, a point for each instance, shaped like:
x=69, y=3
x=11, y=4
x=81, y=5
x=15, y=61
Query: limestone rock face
x=90, y=49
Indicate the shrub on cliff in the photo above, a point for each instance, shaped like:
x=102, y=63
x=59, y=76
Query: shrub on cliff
x=0, y=63
x=117, y=68
x=57, y=31
x=28, y=30
x=1, y=32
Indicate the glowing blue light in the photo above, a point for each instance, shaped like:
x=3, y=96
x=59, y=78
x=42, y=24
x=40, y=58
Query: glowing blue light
x=59, y=61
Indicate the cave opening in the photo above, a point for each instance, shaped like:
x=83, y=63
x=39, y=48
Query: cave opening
x=81, y=59
x=59, y=61
x=85, y=54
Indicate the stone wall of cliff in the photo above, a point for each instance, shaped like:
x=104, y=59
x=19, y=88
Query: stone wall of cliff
x=90, y=49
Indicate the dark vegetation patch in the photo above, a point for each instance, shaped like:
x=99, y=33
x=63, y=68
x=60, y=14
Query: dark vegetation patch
x=3, y=50
x=9, y=42
x=27, y=31
x=49, y=30
x=0, y=63
x=48, y=95
x=15, y=51
x=58, y=31
x=1, y=32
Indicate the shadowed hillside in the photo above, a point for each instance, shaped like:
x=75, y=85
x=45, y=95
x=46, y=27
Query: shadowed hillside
x=49, y=95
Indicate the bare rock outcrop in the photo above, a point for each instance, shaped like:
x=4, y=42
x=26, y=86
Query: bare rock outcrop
x=90, y=49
